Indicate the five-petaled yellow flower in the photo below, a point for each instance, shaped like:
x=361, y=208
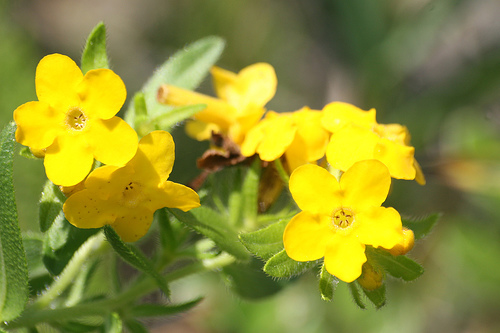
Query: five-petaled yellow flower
x=74, y=120
x=357, y=136
x=126, y=197
x=239, y=106
x=339, y=218
x=299, y=135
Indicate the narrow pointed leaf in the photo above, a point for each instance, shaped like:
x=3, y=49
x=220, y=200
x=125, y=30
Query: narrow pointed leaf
x=377, y=296
x=94, y=54
x=51, y=204
x=212, y=225
x=135, y=326
x=398, y=266
x=353, y=288
x=265, y=242
x=113, y=324
x=422, y=227
x=157, y=310
x=168, y=120
x=282, y=266
x=327, y=284
x=250, y=192
x=13, y=267
x=135, y=258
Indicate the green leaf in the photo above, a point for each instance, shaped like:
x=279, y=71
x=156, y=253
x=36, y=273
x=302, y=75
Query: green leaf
x=157, y=310
x=421, y=227
x=39, y=277
x=113, y=324
x=248, y=280
x=75, y=327
x=327, y=284
x=94, y=54
x=377, y=296
x=398, y=266
x=282, y=266
x=135, y=258
x=265, y=242
x=135, y=327
x=212, y=225
x=61, y=241
x=51, y=204
x=166, y=121
x=353, y=288
x=250, y=192
x=13, y=267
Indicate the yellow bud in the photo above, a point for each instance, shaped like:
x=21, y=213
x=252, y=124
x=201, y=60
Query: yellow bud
x=371, y=278
x=40, y=153
x=406, y=245
x=69, y=190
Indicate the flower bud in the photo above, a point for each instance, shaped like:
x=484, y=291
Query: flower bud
x=406, y=244
x=371, y=278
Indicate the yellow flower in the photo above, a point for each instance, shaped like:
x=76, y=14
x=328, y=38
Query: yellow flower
x=299, y=135
x=405, y=245
x=126, y=197
x=371, y=278
x=74, y=120
x=240, y=103
x=339, y=218
x=357, y=136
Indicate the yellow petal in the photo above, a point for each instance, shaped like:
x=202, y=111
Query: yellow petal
x=154, y=159
x=201, y=131
x=398, y=158
x=279, y=134
x=338, y=114
x=253, y=139
x=306, y=236
x=57, y=77
x=217, y=111
x=37, y=124
x=254, y=84
x=102, y=93
x=349, y=145
x=84, y=210
x=379, y=226
x=99, y=181
x=68, y=160
x=406, y=244
x=365, y=184
x=173, y=195
x=419, y=176
x=315, y=190
x=344, y=257
x=113, y=141
x=132, y=224
x=245, y=122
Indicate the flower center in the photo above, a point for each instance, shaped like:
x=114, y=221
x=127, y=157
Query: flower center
x=343, y=217
x=76, y=119
x=132, y=194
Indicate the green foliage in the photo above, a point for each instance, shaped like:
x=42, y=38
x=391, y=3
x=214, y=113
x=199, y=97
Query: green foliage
x=282, y=266
x=265, y=242
x=135, y=258
x=13, y=266
x=423, y=226
x=377, y=296
x=209, y=223
x=26, y=152
x=94, y=54
x=248, y=280
x=157, y=310
x=135, y=327
x=39, y=276
x=51, y=204
x=353, y=288
x=113, y=324
x=398, y=266
x=327, y=284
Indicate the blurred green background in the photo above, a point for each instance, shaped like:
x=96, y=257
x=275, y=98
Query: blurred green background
x=433, y=66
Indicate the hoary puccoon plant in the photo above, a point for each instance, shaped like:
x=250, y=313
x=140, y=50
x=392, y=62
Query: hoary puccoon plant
x=275, y=195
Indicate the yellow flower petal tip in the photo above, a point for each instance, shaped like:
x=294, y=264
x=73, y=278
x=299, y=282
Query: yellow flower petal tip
x=298, y=135
x=357, y=136
x=339, y=218
x=405, y=245
x=127, y=197
x=73, y=122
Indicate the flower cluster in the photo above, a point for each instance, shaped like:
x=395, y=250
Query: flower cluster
x=72, y=123
x=339, y=217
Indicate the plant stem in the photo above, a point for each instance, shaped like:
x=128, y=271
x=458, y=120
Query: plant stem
x=34, y=315
x=281, y=171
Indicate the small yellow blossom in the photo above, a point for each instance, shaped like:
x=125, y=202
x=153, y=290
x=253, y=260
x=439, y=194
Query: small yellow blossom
x=299, y=135
x=74, y=120
x=405, y=245
x=357, y=136
x=371, y=278
x=339, y=218
x=126, y=197
x=239, y=106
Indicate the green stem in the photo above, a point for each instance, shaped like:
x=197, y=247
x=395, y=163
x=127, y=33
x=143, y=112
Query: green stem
x=70, y=271
x=34, y=315
x=281, y=171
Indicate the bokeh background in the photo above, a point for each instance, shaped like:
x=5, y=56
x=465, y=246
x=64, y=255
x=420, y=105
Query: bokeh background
x=433, y=65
